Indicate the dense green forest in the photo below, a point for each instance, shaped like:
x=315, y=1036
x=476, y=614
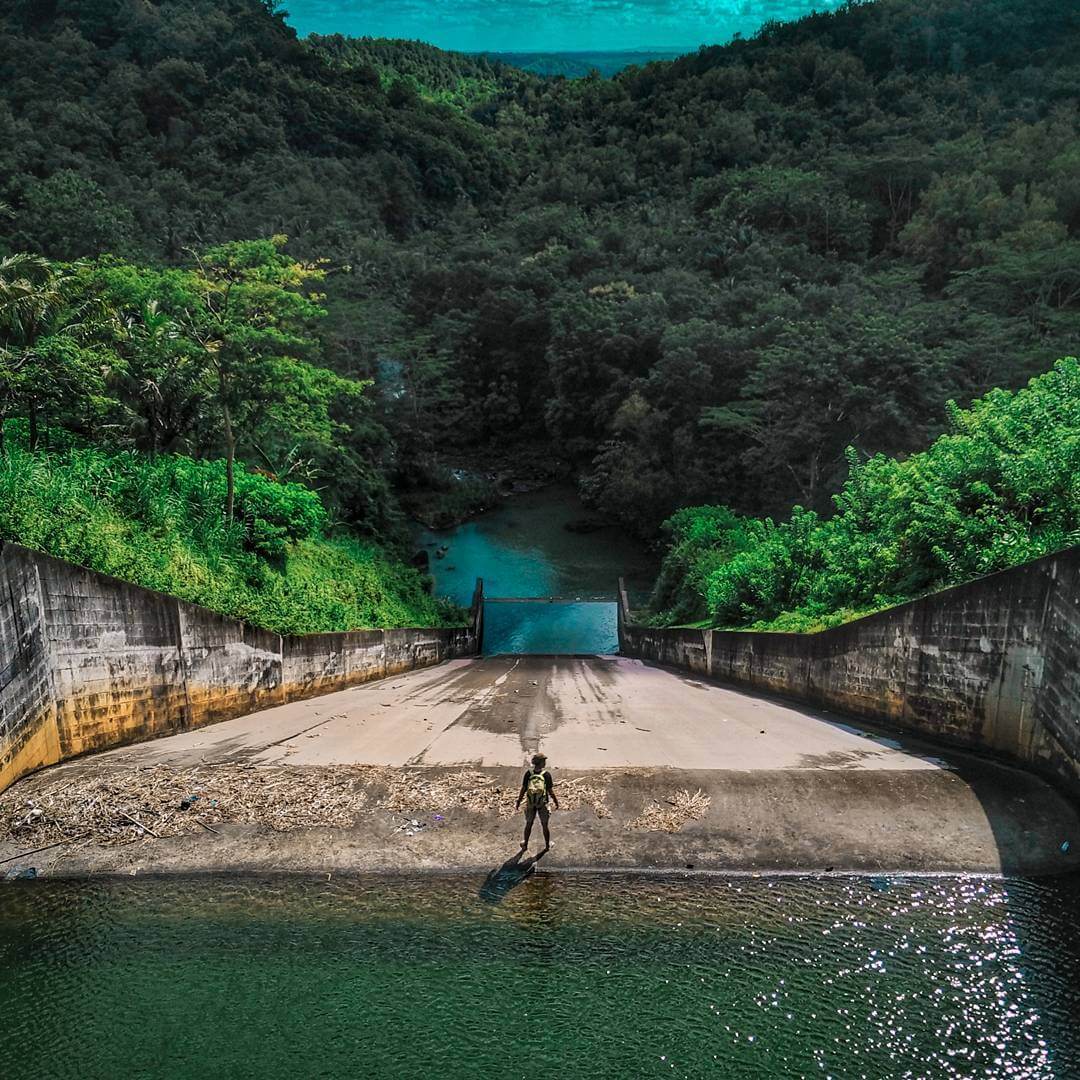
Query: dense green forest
x=115, y=374
x=729, y=280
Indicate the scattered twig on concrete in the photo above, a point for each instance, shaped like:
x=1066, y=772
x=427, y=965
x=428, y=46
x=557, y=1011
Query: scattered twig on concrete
x=38, y=850
x=102, y=805
x=685, y=807
x=145, y=828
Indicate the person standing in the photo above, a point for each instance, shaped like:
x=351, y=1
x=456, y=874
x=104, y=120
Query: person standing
x=537, y=789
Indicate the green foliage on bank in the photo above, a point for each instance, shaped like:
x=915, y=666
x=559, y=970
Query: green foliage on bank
x=131, y=398
x=1001, y=487
x=160, y=524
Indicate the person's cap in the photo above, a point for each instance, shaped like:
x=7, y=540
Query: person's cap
x=537, y=758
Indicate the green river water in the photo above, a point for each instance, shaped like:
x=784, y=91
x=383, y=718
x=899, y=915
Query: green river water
x=560, y=976
x=523, y=548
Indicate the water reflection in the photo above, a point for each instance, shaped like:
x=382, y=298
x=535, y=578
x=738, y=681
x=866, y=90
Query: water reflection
x=600, y=975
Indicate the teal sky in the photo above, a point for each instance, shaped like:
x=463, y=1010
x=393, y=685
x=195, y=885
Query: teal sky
x=546, y=25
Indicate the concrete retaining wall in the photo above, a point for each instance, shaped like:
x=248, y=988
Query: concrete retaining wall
x=88, y=662
x=993, y=664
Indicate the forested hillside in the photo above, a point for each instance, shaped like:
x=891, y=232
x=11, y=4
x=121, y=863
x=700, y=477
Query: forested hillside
x=413, y=67
x=146, y=128
x=697, y=282
x=723, y=272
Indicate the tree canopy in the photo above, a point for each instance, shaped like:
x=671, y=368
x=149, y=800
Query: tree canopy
x=722, y=280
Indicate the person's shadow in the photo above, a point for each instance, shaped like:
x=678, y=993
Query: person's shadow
x=504, y=878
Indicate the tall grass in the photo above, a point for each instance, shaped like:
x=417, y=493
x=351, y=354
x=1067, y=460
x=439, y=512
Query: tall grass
x=160, y=524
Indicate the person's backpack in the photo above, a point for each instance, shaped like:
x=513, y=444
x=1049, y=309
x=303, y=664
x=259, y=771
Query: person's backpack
x=537, y=789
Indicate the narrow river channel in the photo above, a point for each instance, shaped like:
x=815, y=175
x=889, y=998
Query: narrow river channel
x=564, y=580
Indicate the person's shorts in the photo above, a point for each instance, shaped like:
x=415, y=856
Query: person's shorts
x=540, y=811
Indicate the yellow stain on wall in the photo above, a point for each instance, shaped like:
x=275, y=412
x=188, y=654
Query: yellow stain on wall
x=40, y=749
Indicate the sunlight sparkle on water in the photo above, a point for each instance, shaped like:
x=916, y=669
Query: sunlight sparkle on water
x=842, y=977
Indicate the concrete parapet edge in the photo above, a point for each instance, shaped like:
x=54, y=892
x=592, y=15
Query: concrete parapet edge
x=89, y=662
x=992, y=664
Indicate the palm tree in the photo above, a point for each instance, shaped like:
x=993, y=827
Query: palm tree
x=31, y=298
x=35, y=306
x=165, y=376
x=151, y=334
x=26, y=284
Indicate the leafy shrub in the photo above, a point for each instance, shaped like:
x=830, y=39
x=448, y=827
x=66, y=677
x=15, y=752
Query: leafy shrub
x=1002, y=487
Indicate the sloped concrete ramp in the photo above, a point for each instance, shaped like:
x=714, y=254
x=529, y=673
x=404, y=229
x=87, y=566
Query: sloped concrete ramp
x=583, y=712
x=787, y=787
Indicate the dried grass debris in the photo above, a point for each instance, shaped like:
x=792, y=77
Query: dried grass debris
x=420, y=791
x=121, y=805
x=579, y=792
x=417, y=791
x=673, y=813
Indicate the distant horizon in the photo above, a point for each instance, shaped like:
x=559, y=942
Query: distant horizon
x=553, y=26
x=591, y=52
x=543, y=52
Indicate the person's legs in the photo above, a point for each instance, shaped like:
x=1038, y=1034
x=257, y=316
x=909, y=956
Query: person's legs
x=545, y=815
x=530, y=815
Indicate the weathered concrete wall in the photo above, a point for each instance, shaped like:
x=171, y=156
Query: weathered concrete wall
x=28, y=733
x=993, y=664
x=88, y=662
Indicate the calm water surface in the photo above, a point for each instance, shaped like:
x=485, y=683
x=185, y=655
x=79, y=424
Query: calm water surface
x=523, y=549
x=561, y=976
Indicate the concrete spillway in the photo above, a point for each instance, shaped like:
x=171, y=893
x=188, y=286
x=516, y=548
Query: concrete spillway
x=784, y=786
